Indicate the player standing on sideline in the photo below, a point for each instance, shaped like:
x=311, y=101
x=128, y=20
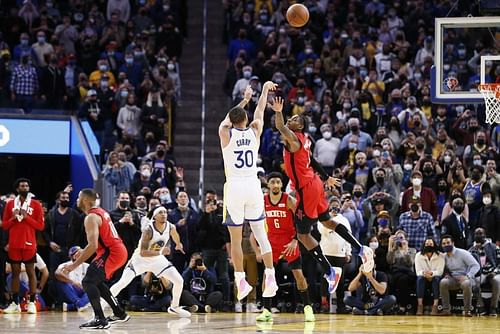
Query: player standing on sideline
x=243, y=198
x=111, y=256
x=150, y=256
x=280, y=209
x=22, y=217
x=311, y=202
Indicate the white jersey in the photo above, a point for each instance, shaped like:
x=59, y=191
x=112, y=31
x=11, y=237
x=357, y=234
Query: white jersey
x=240, y=155
x=158, y=241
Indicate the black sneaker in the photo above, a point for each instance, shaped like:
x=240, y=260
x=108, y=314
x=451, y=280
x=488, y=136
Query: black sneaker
x=493, y=312
x=481, y=311
x=357, y=311
x=96, y=324
x=114, y=319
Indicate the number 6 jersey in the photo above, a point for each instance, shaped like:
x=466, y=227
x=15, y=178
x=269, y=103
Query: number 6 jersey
x=240, y=155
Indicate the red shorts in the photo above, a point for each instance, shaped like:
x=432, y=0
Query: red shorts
x=112, y=261
x=278, y=254
x=24, y=255
x=311, y=202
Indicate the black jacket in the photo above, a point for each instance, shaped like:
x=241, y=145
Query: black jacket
x=130, y=234
x=488, y=218
x=450, y=225
x=76, y=230
x=212, y=233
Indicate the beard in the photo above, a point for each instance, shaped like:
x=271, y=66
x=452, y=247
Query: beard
x=276, y=192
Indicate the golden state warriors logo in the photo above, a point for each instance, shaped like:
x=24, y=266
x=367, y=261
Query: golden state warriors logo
x=157, y=245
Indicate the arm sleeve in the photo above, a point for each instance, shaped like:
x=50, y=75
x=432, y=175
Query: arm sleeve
x=319, y=169
x=419, y=265
x=438, y=271
x=472, y=265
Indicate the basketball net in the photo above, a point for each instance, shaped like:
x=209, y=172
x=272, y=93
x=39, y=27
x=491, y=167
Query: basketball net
x=491, y=95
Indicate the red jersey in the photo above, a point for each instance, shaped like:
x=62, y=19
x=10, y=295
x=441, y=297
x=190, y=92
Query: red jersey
x=22, y=234
x=280, y=225
x=298, y=164
x=109, y=240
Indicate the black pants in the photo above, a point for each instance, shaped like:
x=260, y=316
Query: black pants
x=403, y=284
x=335, y=262
x=213, y=299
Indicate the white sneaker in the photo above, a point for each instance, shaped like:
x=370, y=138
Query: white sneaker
x=271, y=287
x=252, y=308
x=238, y=308
x=65, y=307
x=274, y=310
x=84, y=308
x=179, y=311
x=13, y=308
x=31, y=308
x=243, y=289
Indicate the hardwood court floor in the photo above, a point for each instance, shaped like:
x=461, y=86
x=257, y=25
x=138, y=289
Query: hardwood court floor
x=228, y=323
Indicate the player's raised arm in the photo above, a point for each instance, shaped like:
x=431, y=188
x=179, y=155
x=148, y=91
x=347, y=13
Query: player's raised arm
x=226, y=125
x=258, y=117
x=291, y=141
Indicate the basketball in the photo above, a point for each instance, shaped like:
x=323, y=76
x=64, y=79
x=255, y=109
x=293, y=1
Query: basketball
x=297, y=15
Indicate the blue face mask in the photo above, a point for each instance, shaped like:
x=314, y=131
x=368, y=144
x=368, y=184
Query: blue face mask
x=383, y=222
x=448, y=248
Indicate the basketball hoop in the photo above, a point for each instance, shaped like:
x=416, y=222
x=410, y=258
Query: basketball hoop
x=491, y=95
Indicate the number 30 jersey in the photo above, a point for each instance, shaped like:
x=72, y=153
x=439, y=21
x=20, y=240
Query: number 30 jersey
x=240, y=155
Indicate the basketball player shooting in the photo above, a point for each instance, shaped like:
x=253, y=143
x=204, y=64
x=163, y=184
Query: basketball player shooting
x=311, y=202
x=111, y=256
x=243, y=198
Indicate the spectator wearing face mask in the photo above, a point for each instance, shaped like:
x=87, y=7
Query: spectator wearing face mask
x=154, y=115
x=488, y=216
x=102, y=69
x=479, y=147
x=429, y=266
x=143, y=183
x=62, y=229
x=242, y=83
x=485, y=253
x=364, y=139
x=127, y=222
x=405, y=117
x=493, y=179
x=117, y=173
x=472, y=191
x=427, y=196
x=455, y=224
x=42, y=47
x=417, y=224
x=132, y=69
x=186, y=220
x=164, y=170
x=460, y=269
x=326, y=149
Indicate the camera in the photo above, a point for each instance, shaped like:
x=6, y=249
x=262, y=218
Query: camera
x=399, y=241
x=198, y=262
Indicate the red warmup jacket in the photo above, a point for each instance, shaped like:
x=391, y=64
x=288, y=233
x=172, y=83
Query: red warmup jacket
x=22, y=234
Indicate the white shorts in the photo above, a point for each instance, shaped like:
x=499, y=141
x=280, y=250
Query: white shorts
x=156, y=264
x=243, y=200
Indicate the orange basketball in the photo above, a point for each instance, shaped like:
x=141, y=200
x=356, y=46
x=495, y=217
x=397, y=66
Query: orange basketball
x=297, y=15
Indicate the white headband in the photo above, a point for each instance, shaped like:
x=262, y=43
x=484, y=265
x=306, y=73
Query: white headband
x=157, y=211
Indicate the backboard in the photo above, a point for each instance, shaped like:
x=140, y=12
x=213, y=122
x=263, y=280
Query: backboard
x=466, y=54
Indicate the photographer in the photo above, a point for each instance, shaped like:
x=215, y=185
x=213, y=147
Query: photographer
x=401, y=259
x=213, y=240
x=156, y=296
x=199, y=284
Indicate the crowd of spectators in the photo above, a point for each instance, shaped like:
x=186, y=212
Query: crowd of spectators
x=411, y=170
x=420, y=181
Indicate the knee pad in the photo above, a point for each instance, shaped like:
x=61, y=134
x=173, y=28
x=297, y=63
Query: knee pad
x=260, y=234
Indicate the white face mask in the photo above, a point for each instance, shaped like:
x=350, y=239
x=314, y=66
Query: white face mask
x=447, y=159
x=408, y=166
x=417, y=182
x=327, y=135
x=146, y=173
x=486, y=200
x=373, y=245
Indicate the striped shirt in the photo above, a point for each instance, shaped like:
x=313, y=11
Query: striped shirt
x=417, y=229
x=24, y=80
